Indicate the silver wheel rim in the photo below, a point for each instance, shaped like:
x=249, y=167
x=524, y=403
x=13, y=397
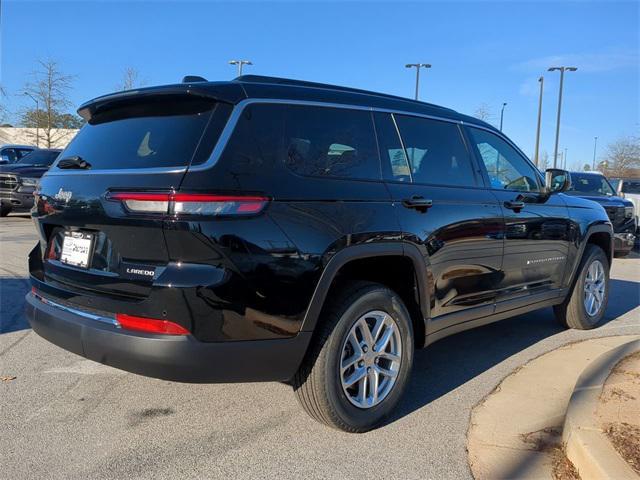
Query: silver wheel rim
x=594, y=288
x=370, y=359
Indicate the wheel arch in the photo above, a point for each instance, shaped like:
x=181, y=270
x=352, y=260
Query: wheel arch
x=354, y=261
x=601, y=235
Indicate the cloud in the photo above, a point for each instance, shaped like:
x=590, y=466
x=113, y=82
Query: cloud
x=586, y=62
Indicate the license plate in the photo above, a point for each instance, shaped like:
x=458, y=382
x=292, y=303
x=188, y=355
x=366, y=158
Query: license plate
x=76, y=249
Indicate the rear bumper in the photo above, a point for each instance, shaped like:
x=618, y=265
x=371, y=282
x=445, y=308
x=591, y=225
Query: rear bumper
x=168, y=357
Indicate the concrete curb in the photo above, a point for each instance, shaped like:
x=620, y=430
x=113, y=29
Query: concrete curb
x=586, y=445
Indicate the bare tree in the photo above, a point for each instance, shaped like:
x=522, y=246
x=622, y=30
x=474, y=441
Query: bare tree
x=622, y=157
x=483, y=112
x=49, y=87
x=3, y=108
x=130, y=79
x=543, y=161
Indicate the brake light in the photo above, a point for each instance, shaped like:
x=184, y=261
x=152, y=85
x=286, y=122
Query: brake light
x=189, y=203
x=150, y=325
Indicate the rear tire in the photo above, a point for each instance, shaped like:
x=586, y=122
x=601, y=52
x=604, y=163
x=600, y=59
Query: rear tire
x=381, y=359
x=585, y=306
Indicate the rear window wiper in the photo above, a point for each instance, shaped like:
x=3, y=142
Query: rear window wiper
x=74, y=162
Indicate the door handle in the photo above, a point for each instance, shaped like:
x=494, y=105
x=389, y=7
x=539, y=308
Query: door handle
x=418, y=203
x=514, y=205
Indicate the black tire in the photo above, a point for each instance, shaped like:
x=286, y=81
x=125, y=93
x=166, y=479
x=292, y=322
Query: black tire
x=317, y=383
x=572, y=312
x=5, y=209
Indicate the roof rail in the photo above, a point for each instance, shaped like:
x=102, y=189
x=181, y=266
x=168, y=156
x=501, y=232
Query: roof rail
x=326, y=86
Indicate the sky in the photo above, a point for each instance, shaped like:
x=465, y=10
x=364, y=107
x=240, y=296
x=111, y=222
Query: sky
x=482, y=53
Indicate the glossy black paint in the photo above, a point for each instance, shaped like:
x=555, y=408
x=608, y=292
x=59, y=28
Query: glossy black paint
x=459, y=261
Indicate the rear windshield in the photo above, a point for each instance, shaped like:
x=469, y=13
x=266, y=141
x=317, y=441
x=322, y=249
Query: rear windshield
x=144, y=135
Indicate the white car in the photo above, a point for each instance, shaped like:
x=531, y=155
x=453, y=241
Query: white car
x=629, y=188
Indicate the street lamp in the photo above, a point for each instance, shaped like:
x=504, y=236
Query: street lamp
x=240, y=64
x=595, y=144
x=535, y=157
x=502, y=115
x=418, y=66
x=37, y=117
x=562, y=70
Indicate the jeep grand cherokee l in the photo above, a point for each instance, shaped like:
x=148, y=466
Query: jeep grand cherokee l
x=266, y=229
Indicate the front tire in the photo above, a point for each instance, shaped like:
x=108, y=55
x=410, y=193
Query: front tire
x=5, y=209
x=359, y=363
x=585, y=306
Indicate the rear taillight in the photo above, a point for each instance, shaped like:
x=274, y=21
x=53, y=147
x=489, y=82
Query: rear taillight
x=189, y=203
x=150, y=325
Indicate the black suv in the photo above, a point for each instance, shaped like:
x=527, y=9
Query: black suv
x=267, y=229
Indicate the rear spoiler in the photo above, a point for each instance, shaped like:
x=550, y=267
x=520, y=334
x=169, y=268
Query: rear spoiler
x=227, y=92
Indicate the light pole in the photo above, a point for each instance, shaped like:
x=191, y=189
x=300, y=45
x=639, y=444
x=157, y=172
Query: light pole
x=502, y=115
x=418, y=66
x=564, y=158
x=37, y=117
x=535, y=156
x=240, y=64
x=562, y=70
x=595, y=144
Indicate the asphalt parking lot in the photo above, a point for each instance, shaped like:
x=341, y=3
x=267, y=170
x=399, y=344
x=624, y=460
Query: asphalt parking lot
x=66, y=417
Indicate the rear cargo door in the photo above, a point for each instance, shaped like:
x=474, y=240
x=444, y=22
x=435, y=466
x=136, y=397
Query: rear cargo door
x=90, y=239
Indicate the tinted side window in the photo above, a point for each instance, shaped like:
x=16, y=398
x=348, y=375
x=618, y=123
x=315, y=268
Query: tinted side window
x=256, y=142
x=507, y=169
x=11, y=154
x=331, y=142
x=392, y=156
x=436, y=152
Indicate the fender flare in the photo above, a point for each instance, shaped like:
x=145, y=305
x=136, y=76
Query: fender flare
x=358, y=252
x=603, y=227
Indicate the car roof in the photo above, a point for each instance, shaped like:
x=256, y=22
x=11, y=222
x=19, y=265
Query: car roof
x=55, y=150
x=599, y=174
x=258, y=86
x=15, y=145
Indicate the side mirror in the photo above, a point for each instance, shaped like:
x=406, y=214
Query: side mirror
x=619, y=187
x=556, y=180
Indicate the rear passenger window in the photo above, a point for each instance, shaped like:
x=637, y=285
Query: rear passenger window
x=331, y=142
x=436, y=152
x=394, y=161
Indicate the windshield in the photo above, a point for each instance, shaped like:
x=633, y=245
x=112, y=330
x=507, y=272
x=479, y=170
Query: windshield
x=39, y=157
x=585, y=184
x=631, y=186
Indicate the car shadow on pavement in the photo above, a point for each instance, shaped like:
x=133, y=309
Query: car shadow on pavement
x=453, y=361
x=12, y=292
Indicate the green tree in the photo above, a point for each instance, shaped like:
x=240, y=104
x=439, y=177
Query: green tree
x=587, y=167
